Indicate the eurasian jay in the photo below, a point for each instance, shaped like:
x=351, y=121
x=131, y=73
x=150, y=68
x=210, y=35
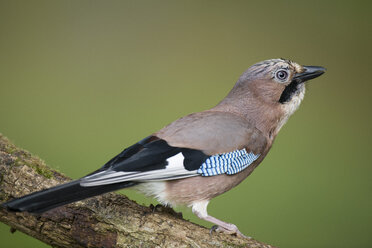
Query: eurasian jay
x=201, y=155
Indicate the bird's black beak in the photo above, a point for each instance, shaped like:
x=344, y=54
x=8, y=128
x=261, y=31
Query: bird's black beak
x=310, y=72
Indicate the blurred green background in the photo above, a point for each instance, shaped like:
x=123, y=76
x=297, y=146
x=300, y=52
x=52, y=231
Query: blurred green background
x=81, y=80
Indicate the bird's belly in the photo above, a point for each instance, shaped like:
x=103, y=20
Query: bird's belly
x=194, y=189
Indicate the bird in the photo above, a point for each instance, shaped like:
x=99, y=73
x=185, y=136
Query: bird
x=199, y=156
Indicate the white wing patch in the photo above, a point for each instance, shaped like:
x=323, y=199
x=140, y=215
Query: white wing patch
x=174, y=170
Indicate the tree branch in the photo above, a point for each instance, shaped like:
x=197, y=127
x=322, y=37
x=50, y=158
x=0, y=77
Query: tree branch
x=110, y=220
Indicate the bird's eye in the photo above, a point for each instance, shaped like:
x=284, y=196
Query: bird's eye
x=281, y=75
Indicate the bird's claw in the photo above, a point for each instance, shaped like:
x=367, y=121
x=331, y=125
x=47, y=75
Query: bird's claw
x=228, y=229
x=213, y=229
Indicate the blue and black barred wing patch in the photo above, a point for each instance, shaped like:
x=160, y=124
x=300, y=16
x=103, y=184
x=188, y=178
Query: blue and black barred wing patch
x=227, y=163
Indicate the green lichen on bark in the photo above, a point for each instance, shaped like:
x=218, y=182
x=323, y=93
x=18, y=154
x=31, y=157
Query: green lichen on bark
x=24, y=158
x=110, y=220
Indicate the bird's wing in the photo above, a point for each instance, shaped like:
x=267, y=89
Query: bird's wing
x=214, y=132
x=188, y=147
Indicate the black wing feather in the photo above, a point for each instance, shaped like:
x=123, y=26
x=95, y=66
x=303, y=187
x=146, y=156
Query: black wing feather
x=152, y=153
x=150, y=159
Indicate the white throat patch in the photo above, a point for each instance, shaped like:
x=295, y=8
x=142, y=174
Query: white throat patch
x=290, y=107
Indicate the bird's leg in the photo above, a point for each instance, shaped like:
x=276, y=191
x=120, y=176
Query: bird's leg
x=200, y=209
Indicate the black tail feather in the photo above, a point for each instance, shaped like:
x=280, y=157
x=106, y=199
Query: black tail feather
x=47, y=199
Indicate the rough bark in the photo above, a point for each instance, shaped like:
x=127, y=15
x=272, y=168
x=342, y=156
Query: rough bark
x=110, y=220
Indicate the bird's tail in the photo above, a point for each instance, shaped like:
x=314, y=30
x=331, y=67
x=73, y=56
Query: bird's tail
x=47, y=199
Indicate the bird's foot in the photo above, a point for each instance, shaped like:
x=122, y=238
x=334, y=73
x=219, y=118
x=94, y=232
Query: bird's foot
x=228, y=229
x=165, y=209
